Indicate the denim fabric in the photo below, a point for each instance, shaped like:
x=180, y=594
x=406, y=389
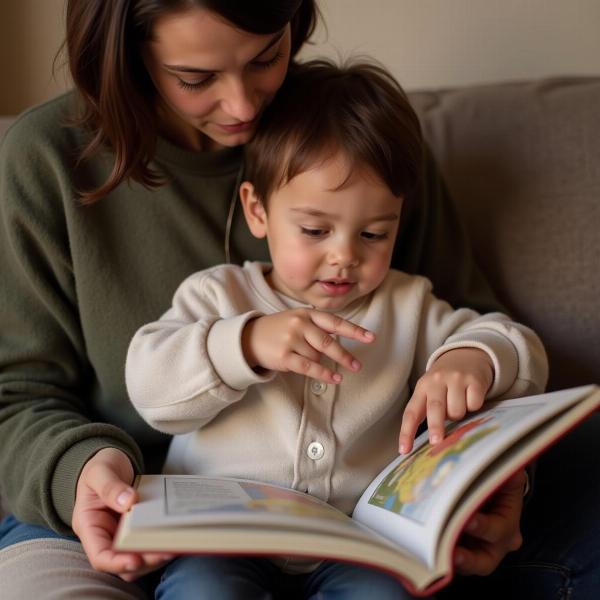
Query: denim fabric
x=235, y=578
x=13, y=532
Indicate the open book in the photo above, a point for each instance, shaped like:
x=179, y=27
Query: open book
x=407, y=522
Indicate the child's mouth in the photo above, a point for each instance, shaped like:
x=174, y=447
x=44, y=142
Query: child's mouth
x=336, y=288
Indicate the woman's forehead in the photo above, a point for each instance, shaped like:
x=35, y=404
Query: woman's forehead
x=199, y=35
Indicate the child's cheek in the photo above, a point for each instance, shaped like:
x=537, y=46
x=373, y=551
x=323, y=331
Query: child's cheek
x=297, y=266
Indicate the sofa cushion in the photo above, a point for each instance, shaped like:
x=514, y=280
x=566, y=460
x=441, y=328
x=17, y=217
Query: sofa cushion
x=522, y=162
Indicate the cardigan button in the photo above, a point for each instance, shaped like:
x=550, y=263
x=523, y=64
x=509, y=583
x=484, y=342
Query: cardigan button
x=315, y=451
x=318, y=387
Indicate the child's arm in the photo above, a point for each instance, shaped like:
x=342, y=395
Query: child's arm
x=295, y=340
x=456, y=383
x=185, y=368
x=205, y=352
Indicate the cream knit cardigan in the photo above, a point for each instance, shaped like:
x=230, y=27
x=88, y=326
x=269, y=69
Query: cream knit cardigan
x=187, y=376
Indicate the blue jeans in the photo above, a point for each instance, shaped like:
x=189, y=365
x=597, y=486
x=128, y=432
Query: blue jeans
x=13, y=532
x=246, y=578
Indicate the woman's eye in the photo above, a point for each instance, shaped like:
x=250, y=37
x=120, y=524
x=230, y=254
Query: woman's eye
x=371, y=236
x=267, y=64
x=310, y=232
x=194, y=85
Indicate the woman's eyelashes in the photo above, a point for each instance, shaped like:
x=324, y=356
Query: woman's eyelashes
x=371, y=236
x=267, y=64
x=194, y=85
x=257, y=64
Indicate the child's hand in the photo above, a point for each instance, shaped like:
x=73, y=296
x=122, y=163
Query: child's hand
x=295, y=340
x=455, y=384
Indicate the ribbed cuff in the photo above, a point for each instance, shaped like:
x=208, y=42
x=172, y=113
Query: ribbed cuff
x=68, y=469
x=224, y=345
x=501, y=351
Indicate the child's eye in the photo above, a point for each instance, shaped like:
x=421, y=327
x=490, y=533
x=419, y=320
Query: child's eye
x=194, y=85
x=371, y=236
x=314, y=233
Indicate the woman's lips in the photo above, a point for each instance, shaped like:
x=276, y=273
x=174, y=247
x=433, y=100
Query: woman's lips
x=237, y=127
x=336, y=288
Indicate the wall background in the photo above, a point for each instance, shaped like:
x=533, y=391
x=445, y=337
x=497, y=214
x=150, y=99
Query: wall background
x=426, y=43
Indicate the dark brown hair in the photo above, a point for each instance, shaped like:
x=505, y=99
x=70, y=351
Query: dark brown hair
x=103, y=49
x=357, y=108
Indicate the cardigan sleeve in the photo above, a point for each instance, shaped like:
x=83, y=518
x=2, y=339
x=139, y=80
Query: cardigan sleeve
x=519, y=359
x=188, y=366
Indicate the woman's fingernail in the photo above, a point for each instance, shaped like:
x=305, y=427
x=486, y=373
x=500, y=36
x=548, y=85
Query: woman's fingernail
x=124, y=497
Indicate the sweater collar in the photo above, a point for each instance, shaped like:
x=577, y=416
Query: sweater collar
x=210, y=162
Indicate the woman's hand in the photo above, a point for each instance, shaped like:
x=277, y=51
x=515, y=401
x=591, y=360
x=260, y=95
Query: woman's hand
x=295, y=340
x=456, y=383
x=494, y=531
x=104, y=492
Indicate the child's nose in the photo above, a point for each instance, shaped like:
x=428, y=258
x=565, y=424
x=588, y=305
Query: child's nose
x=344, y=255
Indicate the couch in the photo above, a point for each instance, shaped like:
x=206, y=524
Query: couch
x=522, y=161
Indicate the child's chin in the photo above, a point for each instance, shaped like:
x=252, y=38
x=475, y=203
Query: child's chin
x=331, y=304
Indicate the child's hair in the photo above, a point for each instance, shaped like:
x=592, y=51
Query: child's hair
x=357, y=108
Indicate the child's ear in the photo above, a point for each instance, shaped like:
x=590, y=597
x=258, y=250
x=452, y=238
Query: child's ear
x=254, y=211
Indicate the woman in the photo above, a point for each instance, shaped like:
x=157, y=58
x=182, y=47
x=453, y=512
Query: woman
x=110, y=197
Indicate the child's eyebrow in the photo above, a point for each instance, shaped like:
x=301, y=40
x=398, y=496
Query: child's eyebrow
x=313, y=212
x=186, y=69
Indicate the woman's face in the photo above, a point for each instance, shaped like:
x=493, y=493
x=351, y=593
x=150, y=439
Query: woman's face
x=213, y=80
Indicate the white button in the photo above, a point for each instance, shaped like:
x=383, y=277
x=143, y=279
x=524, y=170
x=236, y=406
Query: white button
x=318, y=387
x=315, y=450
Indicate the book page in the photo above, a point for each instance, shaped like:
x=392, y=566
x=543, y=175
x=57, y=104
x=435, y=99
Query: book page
x=192, y=500
x=411, y=499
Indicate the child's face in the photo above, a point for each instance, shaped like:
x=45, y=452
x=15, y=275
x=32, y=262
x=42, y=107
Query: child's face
x=328, y=247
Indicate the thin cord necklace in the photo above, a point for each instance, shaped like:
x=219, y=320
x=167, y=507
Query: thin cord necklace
x=232, y=204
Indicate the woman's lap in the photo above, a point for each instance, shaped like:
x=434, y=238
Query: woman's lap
x=36, y=562
x=13, y=532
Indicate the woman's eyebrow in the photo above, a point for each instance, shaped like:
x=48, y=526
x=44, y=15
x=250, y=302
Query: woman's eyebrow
x=186, y=69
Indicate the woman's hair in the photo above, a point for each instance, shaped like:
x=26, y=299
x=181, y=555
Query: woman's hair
x=357, y=109
x=103, y=44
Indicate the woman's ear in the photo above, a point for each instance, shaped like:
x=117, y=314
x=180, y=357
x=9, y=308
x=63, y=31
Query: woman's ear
x=254, y=211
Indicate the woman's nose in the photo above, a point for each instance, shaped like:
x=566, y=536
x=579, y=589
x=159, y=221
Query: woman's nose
x=238, y=100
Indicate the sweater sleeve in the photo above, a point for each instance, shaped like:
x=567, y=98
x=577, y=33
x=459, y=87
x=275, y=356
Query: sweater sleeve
x=184, y=369
x=518, y=356
x=433, y=242
x=46, y=433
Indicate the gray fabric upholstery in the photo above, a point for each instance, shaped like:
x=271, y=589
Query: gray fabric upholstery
x=522, y=162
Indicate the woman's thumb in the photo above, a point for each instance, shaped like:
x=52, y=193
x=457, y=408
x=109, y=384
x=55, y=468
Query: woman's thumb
x=108, y=485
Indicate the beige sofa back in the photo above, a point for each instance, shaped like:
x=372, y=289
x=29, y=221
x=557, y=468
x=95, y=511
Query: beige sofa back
x=522, y=162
